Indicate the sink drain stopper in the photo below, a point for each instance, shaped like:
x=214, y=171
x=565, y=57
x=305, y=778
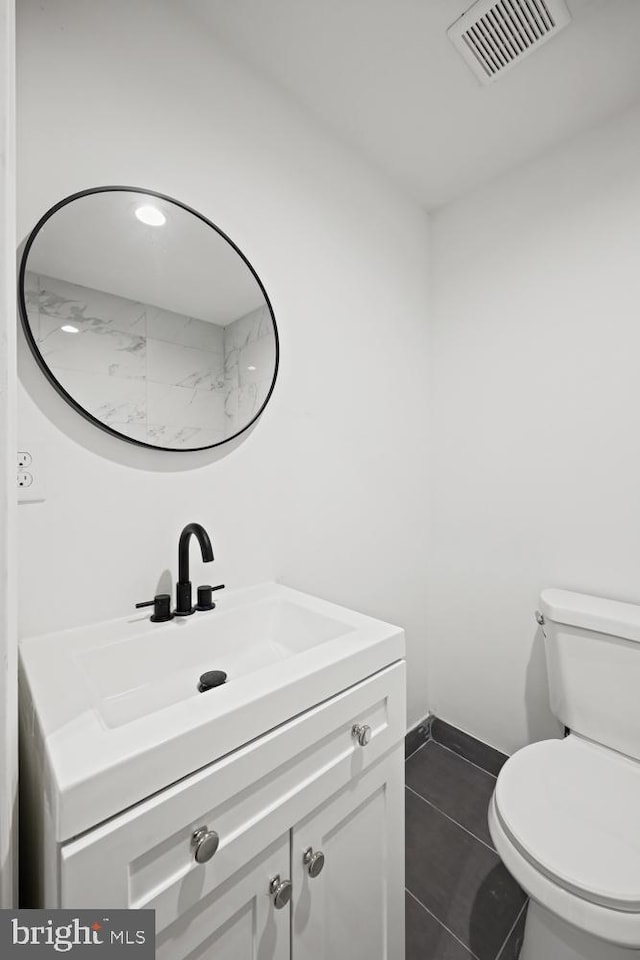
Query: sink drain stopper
x=211, y=679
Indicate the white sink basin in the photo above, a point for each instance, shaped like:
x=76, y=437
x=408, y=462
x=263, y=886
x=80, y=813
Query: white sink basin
x=114, y=712
x=137, y=675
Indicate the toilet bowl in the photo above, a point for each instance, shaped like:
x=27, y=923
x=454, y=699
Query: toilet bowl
x=565, y=814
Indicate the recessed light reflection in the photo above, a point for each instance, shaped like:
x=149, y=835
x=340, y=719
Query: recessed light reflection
x=251, y=368
x=67, y=328
x=150, y=215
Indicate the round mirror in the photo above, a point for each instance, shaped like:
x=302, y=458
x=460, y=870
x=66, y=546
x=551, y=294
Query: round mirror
x=148, y=319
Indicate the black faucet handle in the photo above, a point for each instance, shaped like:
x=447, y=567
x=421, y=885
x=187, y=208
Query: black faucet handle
x=161, y=604
x=204, y=596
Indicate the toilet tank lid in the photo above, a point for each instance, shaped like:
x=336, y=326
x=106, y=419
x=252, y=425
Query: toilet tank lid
x=613, y=617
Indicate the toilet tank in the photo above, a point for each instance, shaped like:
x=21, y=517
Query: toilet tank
x=593, y=662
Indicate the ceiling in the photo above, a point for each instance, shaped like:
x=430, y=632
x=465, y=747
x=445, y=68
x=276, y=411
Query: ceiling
x=383, y=77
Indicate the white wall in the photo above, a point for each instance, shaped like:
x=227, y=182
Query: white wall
x=327, y=493
x=8, y=641
x=535, y=353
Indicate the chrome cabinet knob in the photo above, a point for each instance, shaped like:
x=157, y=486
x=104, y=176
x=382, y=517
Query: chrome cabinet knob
x=280, y=890
x=314, y=862
x=206, y=843
x=361, y=733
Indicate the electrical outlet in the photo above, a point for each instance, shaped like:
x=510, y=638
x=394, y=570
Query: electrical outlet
x=30, y=474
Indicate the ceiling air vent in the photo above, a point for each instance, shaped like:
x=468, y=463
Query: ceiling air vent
x=494, y=36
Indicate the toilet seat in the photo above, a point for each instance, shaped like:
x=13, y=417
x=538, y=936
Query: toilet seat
x=571, y=808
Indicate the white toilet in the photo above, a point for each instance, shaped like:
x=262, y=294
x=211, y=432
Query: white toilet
x=565, y=814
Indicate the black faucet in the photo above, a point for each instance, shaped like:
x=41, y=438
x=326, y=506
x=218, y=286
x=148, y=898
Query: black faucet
x=184, y=605
x=161, y=603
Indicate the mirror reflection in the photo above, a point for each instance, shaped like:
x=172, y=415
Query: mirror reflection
x=148, y=319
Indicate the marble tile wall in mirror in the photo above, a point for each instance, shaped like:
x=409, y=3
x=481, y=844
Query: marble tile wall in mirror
x=154, y=375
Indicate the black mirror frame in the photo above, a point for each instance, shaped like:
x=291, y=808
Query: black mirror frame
x=44, y=366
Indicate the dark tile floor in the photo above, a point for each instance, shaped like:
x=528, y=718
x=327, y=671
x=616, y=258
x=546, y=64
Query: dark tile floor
x=461, y=902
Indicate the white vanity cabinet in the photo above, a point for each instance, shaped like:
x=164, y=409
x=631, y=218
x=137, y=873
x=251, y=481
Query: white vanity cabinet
x=310, y=786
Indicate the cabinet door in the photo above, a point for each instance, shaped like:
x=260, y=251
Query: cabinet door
x=238, y=920
x=354, y=908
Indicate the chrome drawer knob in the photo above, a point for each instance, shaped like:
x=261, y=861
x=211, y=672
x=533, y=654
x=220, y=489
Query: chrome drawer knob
x=314, y=862
x=361, y=733
x=206, y=843
x=280, y=890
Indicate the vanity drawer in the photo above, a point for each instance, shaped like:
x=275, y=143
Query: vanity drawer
x=145, y=856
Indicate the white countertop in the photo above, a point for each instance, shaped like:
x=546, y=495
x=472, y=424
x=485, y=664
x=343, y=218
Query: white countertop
x=93, y=698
